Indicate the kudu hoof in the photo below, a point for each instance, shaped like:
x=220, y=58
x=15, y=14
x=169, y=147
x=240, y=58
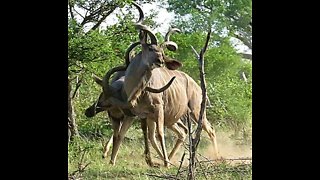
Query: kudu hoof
x=155, y=165
x=112, y=163
x=150, y=163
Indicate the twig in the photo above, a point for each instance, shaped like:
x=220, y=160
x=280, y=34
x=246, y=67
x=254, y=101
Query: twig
x=77, y=87
x=244, y=77
x=157, y=157
x=190, y=168
x=78, y=13
x=229, y=159
x=70, y=9
x=81, y=167
x=181, y=162
x=71, y=79
x=195, y=52
x=163, y=177
x=207, y=160
x=204, y=173
x=82, y=155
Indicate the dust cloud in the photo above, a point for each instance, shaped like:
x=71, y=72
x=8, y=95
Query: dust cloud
x=229, y=148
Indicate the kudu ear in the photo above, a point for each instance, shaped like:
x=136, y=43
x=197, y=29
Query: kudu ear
x=97, y=79
x=172, y=64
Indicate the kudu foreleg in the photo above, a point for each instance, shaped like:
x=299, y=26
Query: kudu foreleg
x=151, y=134
x=118, y=137
x=147, y=152
x=115, y=124
x=107, y=147
x=160, y=130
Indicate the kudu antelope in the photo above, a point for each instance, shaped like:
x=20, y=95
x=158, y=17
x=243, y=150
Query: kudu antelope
x=122, y=118
x=152, y=68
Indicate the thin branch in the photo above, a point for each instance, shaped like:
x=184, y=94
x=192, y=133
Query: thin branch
x=195, y=52
x=96, y=13
x=181, y=162
x=190, y=168
x=230, y=159
x=104, y=17
x=204, y=91
x=77, y=87
x=70, y=9
x=157, y=157
x=207, y=160
x=163, y=177
x=204, y=173
x=206, y=44
x=82, y=155
x=244, y=77
x=81, y=167
x=71, y=79
x=78, y=13
x=85, y=8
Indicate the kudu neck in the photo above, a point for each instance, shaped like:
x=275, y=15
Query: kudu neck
x=138, y=75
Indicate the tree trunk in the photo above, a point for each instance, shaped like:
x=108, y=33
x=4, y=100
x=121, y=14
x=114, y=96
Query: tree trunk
x=72, y=126
x=194, y=142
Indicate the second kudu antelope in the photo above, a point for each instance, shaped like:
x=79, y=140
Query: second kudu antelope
x=121, y=118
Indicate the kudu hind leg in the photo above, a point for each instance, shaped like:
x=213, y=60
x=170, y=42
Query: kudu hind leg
x=211, y=132
x=207, y=127
x=182, y=134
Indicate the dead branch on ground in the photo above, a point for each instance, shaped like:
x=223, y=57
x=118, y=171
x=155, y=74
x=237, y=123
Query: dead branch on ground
x=77, y=174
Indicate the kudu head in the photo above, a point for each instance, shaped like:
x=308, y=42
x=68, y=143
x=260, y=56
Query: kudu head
x=96, y=107
x=152, y=54
x=103, y=103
